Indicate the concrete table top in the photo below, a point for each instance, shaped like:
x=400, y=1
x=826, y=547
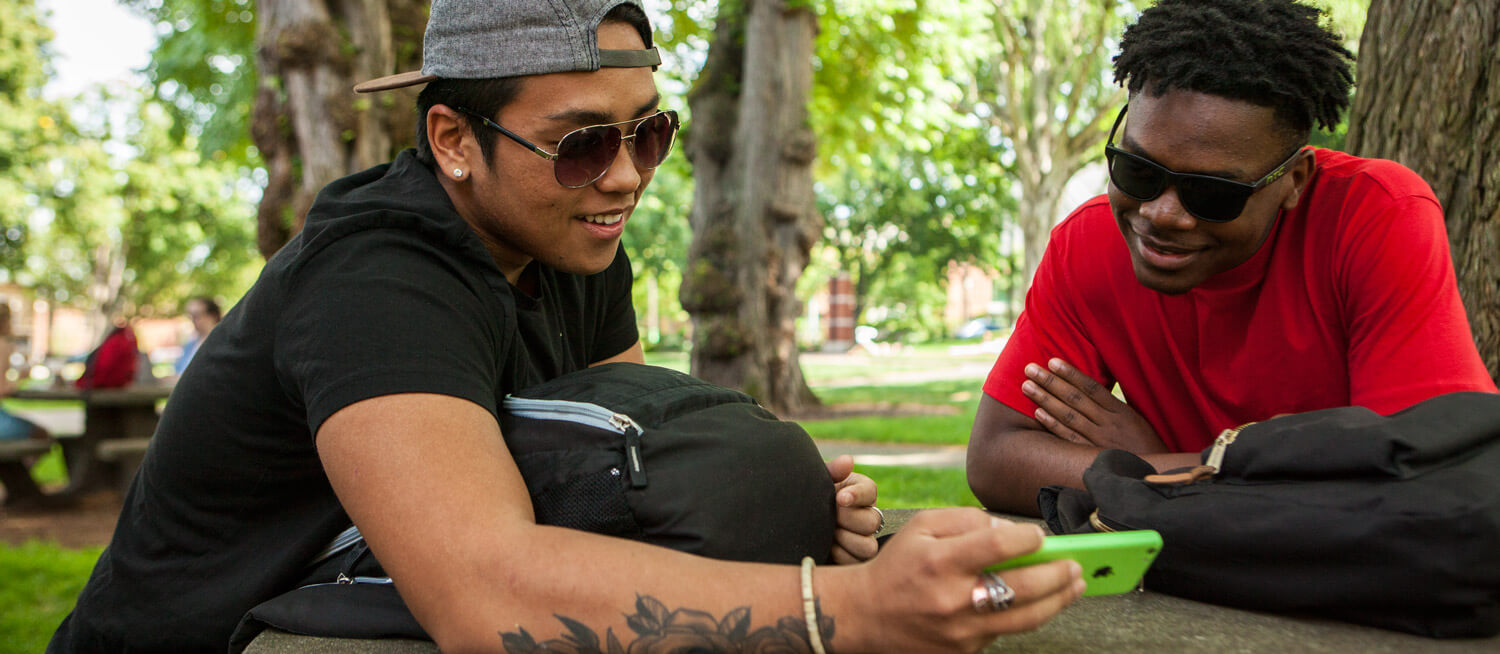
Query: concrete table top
x=1137, y=622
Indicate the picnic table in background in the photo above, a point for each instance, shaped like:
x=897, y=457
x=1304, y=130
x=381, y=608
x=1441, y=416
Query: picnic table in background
x=117, y=425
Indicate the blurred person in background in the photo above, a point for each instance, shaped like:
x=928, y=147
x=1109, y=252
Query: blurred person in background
x=12, y=427
x=205, y=314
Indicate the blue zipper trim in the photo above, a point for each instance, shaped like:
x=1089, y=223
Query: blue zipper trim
x=588, y=415
x=583, y=413
x=347, y=581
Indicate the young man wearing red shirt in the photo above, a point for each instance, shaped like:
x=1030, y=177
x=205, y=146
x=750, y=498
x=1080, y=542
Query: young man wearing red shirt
x=1232, y=274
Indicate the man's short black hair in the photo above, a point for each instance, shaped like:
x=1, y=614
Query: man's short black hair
x=1272, y=53
x=487, y=97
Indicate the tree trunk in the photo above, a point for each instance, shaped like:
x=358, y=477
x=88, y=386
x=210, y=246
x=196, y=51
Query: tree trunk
x=1046, y=93
x=753, y=216
x=1035, y=215
x=307, y=123
x=1429, y=86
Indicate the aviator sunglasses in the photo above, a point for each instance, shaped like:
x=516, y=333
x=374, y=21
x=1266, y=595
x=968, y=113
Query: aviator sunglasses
x=584, y=154
x=1214, y=199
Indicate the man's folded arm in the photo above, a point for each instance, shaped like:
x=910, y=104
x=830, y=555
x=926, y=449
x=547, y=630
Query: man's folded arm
x=1012, y=456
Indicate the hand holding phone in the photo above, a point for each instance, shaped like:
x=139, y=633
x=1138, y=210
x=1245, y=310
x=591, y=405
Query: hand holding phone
x=1112, y=562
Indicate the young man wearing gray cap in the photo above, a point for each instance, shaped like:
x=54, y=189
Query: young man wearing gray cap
x=362, y=374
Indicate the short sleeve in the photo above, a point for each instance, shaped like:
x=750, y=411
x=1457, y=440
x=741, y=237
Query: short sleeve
x=382, y=312
x=1050, y=326
x=1409, y=337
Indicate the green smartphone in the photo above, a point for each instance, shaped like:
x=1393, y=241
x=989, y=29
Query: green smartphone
x=1112, y=562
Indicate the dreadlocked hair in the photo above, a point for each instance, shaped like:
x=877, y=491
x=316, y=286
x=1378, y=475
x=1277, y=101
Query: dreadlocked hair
x=1272, y=53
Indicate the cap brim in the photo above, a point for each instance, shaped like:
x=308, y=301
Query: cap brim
x=389, y=82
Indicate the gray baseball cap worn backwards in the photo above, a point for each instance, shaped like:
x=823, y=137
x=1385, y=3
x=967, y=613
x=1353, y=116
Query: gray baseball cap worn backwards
x=480, y=39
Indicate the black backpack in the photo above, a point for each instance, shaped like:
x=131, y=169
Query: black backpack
x=1391, y=521
x=622, y=449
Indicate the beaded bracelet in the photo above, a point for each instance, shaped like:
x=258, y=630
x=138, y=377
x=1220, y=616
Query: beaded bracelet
x=810, y=607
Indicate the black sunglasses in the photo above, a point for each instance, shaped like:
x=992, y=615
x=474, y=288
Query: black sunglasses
x=1214, y=199
x=584, y=154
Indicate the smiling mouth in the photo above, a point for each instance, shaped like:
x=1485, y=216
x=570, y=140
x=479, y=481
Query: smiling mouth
x=1167, y=249
x=604, y=218
x=1163, y=256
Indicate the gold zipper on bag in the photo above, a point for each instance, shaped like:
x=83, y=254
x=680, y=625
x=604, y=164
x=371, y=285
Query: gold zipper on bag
x=1216, y=455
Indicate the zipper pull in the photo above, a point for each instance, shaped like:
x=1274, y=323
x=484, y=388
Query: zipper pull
x=343, y=579
x=1216, y=455
x=634, y=464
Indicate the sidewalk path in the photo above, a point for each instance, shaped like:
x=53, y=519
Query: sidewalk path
x=898, y=369
x=896, y=454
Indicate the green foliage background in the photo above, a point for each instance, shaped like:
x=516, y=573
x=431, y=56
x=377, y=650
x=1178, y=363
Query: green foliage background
x=110, y=205
x=908, y=178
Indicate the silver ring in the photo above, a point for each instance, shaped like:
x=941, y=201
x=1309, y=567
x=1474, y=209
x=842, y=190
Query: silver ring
x=882, y=518
x=992, y=594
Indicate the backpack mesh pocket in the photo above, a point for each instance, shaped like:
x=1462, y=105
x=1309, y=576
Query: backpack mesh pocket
x=580, y=495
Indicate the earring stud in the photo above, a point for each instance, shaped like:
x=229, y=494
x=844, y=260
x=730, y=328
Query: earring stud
x=458, y=172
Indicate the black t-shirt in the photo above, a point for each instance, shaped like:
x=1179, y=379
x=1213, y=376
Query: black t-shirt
x=386, y=290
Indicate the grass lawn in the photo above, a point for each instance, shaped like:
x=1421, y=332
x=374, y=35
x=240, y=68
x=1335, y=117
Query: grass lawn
x=961, y=395
x=919, y=488
x=41, y=582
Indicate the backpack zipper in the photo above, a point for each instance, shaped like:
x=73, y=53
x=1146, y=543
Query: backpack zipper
x=345, y=580
x=1226, y=437
x=589, y=415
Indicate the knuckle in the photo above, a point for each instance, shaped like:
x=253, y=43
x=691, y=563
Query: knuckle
x=950, y=603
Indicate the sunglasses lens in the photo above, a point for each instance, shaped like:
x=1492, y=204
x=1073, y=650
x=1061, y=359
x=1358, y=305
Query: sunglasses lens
x=1135, y=177
x=1211, y=200
x=653, y=140
x=584, y=155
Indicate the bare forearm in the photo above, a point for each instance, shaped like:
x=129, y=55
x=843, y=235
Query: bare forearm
x=612, y=587
x=1006, y=471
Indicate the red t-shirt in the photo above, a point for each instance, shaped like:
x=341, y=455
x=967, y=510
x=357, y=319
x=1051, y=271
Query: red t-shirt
x=1351, y=301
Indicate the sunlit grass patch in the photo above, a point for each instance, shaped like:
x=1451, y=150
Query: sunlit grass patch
x=42, y=581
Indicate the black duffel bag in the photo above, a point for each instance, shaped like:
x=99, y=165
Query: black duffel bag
x=1391, y=521
x=621, y=449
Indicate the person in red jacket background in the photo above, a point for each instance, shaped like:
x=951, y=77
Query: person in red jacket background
x=113, y=363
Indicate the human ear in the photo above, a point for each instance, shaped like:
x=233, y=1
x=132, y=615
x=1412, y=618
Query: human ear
x=452, y=142
x=1300, y=174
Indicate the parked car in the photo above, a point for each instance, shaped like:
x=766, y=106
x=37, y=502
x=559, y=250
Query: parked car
x=978, y=327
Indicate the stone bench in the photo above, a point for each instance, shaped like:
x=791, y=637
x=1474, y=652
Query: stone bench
x=16, y=450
